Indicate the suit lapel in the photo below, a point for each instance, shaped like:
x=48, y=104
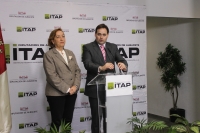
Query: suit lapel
x=109, y=56
x=98, y=51
x=57, y=54
x=68, y=59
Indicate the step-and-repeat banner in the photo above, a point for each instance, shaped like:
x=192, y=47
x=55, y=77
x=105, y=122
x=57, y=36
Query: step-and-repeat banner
x=26, y=27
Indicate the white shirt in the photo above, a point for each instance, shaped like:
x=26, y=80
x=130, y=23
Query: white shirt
x=63, y=54
x=101, y=45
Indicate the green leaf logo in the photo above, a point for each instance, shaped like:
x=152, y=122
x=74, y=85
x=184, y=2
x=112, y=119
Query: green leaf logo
x=80, y=30
x=81, y=119
x=47, y=16
x=133, y=31
x=21, y=126
x=82, y=90
x=20, y=94
x=104, y=18
x=134, y=87
x=110, y=85
x=19, y=29
x=134, y=113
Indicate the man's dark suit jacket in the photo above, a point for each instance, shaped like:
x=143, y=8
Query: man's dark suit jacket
x=92, y=58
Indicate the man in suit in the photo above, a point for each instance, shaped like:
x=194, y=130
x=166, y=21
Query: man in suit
x=99, y=57
x=63, y=79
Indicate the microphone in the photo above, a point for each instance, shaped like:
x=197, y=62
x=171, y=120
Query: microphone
x=109, y=57
x=120, y=71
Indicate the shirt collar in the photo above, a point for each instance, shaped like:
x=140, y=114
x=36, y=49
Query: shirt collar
x=103, y=45
x=60, y=51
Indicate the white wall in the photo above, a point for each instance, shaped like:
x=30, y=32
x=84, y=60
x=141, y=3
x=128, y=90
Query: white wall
x=173, y=8
x=197, y=67
x=181, y=33
x=159, y=8
x=121, y=2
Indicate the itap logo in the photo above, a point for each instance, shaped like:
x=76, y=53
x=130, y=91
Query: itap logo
x=25, y=29
x=110, y=85
x=27, y=94
x=138, y=31
x=117, y=85
x=27, y=125
x=84, y=119
x=109, y=18
x=87, y=30
x=138, y=87
x=139, y=113
x=53, y=16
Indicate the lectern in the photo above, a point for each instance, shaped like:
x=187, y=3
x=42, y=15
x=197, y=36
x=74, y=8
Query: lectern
x=118, y=103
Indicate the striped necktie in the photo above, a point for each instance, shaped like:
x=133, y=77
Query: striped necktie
x=103, y=52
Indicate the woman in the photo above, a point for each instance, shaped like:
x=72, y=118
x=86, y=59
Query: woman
x=63, y=78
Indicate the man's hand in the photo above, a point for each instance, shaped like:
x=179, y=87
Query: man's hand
x=73, y=90
x=106, y=66
x=122, y=66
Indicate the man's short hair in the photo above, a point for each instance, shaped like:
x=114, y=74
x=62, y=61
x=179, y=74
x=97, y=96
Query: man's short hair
x=102, y=26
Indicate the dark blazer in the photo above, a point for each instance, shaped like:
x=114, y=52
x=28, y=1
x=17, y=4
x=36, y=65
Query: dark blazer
x=60, y=76
x=92, y=58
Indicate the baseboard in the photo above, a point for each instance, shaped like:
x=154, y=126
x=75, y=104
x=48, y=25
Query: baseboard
x=157, y=117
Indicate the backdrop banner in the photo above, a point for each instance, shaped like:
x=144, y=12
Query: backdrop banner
x=26, y=27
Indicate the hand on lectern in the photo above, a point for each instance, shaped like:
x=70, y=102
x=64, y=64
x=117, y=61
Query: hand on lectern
x=122, y=66
x=106, y=66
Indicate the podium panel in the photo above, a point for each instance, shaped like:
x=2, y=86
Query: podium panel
x=118, y=103
x=119, y=109
x=114, y=96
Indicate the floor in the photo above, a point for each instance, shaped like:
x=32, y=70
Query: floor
x=159, y=118
x=152, y=117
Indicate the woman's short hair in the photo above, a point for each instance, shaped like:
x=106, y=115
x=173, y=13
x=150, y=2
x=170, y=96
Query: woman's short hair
x=52, y=36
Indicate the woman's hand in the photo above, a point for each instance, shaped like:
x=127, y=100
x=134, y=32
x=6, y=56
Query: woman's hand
x=73, y=90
